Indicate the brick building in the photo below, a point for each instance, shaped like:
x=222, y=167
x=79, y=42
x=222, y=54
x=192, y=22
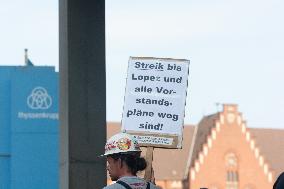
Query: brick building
x=221, y=152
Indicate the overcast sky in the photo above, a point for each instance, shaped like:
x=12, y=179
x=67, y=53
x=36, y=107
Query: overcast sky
x=235, y=49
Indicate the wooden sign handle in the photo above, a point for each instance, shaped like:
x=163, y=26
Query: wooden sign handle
x=149, y=172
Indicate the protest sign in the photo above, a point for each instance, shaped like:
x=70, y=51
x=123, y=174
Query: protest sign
x=154, y=101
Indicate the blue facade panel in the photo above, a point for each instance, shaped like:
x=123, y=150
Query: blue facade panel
x=5, y=172
x=35, y=166
x=5, y=110
x=34, y=100
x=29, y=128
x=5, y=130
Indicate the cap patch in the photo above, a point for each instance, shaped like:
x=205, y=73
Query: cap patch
x=124, y=144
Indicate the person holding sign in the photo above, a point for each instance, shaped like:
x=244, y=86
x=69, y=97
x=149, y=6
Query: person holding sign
x=123, y=156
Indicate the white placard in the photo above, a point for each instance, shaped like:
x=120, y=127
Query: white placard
x=154, y=101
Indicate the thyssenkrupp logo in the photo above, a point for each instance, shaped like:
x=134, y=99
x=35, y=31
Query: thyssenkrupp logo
x=39, y=99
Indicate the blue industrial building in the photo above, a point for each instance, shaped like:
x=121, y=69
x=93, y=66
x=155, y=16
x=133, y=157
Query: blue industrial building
x=29, y=127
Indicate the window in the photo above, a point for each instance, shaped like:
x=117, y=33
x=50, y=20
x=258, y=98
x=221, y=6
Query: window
x=232, y=176
x=232, y=180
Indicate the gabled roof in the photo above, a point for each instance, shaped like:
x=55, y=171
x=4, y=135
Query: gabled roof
x=168, y=164
x=200, y=136
x=271, y=145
